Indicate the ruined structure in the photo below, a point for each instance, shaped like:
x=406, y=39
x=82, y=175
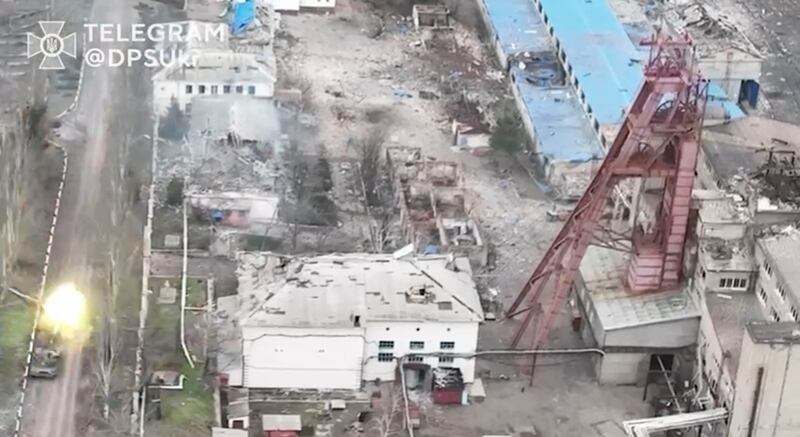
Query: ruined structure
x=435, y=208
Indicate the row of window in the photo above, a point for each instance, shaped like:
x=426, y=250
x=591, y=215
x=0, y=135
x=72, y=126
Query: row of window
x=762, y=296
x=214, y=89
x=417, y=345
x=385, y=357
x=733, y=283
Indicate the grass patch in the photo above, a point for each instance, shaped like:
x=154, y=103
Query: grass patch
x=15, y=331
x=196, y=294
x=188, y=412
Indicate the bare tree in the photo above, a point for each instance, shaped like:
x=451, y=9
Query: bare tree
x=20, y=180
x=388, y=423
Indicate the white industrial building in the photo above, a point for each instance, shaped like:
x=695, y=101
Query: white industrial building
x=296, y=5
x=212, y=73
x=765, y=404
x=331, y=322
x=778, y=287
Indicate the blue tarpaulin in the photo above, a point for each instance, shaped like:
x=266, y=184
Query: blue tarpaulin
x=243, y=14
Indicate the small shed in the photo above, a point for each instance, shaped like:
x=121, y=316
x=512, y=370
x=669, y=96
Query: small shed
x=281, y=425
x=431, y=17
x=228, y=432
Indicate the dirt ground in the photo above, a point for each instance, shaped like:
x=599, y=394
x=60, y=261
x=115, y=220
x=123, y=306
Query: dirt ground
x=351, y=77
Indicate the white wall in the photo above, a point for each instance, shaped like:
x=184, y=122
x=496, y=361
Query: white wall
x=465, y=336
x=165, y=91
x=312, y=358
x=710, y=361
x=317, y=3
x=286, y=5
x=728, y=68
x=771, y=298
x=622, y=368
x=777, y=413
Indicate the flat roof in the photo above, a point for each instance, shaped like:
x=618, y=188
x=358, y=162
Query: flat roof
x=602, y=274
x=608, y=67
x=518, y=26
x=723, y=211
x=605, y=62
x=774, y=333
x=726, y=256
x=217, y=66
x=563, y=132
x=782, y=250
x=332, y=290
x=729, y=313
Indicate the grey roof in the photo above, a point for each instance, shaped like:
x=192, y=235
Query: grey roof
x=782, y=251
x=332, y=290
x=774, y=333
x=251, y=118
x=730, y=312
x=726, y=256
x=602, y=274
x=730, y=157
x=217, y=66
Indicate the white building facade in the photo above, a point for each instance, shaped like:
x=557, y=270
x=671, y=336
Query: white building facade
x=332, y=322
x=213, y=73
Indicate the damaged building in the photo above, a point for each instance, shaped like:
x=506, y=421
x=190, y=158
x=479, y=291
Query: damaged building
x=435, y=208
x=212, y=63
x=335, y=321
x=233, y=163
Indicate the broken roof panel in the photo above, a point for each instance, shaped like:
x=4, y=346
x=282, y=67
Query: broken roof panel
x=562, y=130
x=607, y=66
x=518, y=26
x=332, y=290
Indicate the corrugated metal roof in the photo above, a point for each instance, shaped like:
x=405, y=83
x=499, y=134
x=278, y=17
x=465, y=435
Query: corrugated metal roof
x=606, y=64
x=562, y=130
x=517, y=26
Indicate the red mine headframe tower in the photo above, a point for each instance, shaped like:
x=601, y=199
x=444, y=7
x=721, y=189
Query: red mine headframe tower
x=658, y=139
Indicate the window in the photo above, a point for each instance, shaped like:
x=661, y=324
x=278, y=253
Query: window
x=447, y=345
x=214, y=89
x=188, y=89
x=416, y=345
x=201, y=89
x=702, y=273
x=762, y=295
x=795, y=314
x=446, y=359
x=774, y=315
x=239, y=89
x=414, y=359
x=733, y=283
x=782, y=292
x=251, y=90
x=226, y=89
x=767, y=267
x=385, y=357
x=385, y=344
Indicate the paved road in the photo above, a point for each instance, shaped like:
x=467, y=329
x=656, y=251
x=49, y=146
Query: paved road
x=55, y=408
